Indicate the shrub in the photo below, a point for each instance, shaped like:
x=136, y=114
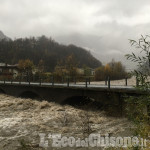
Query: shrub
x=115, y=70
x=138, y=106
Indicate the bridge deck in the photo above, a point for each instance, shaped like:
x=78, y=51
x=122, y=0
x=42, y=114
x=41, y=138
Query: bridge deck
x=115, y=88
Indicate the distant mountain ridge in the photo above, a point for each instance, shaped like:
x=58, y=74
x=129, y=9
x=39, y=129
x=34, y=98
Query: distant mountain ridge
x=3, y=36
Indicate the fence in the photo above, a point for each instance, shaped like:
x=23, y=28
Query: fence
x=65, y=81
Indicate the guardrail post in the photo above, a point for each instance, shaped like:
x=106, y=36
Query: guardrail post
x=68, y=82
x=29, y=79
x=126, y=81
x=108, y=82
x=20, y=80
x=52, y=80
x=40, y=81
x=86, y=82
x=89, y=80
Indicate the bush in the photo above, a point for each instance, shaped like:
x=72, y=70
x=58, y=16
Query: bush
x=138, y=106
x=115, y=70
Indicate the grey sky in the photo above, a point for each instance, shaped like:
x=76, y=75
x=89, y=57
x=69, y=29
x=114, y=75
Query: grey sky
x=102, y=26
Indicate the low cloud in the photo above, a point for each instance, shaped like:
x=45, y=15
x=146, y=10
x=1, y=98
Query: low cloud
x=102, y=26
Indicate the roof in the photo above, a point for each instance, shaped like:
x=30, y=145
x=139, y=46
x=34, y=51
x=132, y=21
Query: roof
x=3, y=65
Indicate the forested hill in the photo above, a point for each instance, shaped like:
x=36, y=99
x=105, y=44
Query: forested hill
x=46, y=49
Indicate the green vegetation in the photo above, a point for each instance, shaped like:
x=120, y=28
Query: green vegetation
x=138, y=107
x=26, y=66
x=46, y=49
x=66, y=68
x=46, y=58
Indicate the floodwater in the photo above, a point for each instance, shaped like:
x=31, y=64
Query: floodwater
x=22, y=120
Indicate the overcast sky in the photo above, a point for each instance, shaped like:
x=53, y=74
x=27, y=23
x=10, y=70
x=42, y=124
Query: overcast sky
x=102, y=26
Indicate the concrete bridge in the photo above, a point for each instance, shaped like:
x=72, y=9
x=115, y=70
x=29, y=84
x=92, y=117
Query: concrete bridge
x=60, y=93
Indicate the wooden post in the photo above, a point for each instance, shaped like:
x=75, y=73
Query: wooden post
x=108, y=82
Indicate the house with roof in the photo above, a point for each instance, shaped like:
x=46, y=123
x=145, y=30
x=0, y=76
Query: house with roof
x=8, y=71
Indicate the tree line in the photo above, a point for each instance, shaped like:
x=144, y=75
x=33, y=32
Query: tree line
x=68, y=68
x=114, y=70
x=46, y=49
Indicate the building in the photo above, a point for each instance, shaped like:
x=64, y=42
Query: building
x=8, y=71
x=80, y=71
x=92, y=72
x=86, y=71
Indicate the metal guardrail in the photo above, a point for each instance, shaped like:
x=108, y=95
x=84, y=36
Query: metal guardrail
x=68, y=83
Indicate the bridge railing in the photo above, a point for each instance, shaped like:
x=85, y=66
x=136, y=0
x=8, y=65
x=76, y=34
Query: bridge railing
x=65, y=81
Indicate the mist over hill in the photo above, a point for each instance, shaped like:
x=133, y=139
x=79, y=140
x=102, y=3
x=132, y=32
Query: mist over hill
x=3, y=36
x=46, y=49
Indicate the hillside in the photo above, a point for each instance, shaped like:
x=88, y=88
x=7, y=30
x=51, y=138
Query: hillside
x=2, y=36
x=46, y=49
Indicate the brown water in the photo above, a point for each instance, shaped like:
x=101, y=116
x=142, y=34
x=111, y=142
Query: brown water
x=26, y=118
